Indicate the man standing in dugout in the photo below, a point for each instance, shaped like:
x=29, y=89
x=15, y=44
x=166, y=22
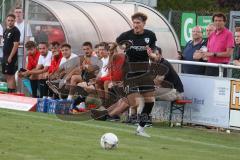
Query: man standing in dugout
x=143, y=42
x=11, y=38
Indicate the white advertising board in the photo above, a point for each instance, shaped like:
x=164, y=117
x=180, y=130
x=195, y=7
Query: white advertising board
x=17, y=102
x=210, y=100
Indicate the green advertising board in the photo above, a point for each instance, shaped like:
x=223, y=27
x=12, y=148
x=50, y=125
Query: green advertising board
x=187, y=23
x=203, y=21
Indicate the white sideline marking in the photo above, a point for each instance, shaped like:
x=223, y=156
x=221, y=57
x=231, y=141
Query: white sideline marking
x=125, y=130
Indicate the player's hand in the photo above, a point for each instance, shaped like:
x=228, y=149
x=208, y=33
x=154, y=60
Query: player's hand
x=9, y=59
x=25, y=74
x=180, y=55
x=150, y=53
x=20, y=75
x=68, y=78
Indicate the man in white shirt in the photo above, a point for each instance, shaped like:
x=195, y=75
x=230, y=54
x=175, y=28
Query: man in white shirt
x=21, y=26
x=1, y=37
x=1, y=32
x=67, y=54
x=41, y=70
x=103, y=50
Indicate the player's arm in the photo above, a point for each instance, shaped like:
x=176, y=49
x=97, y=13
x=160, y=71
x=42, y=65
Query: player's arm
x=13, y=52
x=73, y=72
x=16, y=39
x=39, y=70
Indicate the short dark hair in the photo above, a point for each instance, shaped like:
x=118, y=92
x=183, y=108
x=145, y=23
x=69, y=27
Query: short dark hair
x=44, y=43
x=55, y=43
x=96, y=46
x=104, y=44
x=158, y=49
x=11, y=15
x=18, y=7
x=219, y=14
x=87, y=44
x=66, y=45
x=112, y=46
x=30, y=44
x=139, y=15
x=237, y=29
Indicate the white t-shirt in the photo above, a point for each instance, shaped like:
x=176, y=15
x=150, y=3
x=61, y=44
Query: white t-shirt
x=45, y=61
x=104, y=70
x=1, y=30
x=20, y=26
x=64, y=60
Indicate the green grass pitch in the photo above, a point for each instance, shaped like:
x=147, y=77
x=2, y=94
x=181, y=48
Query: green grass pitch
x=38, y=136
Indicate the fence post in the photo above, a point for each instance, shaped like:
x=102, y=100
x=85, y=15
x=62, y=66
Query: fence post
x=220, y=71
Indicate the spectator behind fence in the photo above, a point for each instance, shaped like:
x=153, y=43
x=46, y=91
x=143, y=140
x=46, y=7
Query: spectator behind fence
x=199, y=53
x=220, y=45
x=236, y=53
x=209, y=30
x=194, y=45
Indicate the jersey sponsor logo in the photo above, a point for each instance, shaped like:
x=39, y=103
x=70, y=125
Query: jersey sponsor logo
x=139, y=48
x=147, y=40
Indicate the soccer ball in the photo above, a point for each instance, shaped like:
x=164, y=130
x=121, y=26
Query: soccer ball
x=109, y=141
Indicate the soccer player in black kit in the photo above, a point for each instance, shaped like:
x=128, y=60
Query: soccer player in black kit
x=143, y=42
x=11, y=38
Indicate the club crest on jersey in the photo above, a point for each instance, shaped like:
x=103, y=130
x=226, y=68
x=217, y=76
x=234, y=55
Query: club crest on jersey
x=8, y=35
x=147, y=40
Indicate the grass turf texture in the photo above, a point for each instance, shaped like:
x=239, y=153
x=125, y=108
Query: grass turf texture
x=38, y=136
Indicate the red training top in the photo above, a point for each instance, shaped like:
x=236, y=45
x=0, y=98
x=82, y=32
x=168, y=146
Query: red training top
x=55, y=63
x=33, y=60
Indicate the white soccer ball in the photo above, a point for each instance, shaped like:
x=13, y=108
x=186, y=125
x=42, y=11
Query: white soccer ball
x=109, y=141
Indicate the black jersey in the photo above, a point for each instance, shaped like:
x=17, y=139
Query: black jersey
x=138, y=51
x=172, y=76
x=10, y=36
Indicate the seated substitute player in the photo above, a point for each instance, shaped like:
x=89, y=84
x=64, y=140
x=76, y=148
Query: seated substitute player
x=41, y=70
x=32, y=61
x=55, y=62
x=143, y=42
x=56, y=57
x=169, y=94
x=57, y=80
x=87, y=70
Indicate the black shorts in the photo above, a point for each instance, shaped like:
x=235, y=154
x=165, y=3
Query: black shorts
x=9, y=68
x=141, y=89
x=140, y=82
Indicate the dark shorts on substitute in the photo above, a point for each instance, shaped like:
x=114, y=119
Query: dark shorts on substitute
x=9, y=68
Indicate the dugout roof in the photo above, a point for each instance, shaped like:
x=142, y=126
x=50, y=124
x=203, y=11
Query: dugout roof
x=95, y=22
